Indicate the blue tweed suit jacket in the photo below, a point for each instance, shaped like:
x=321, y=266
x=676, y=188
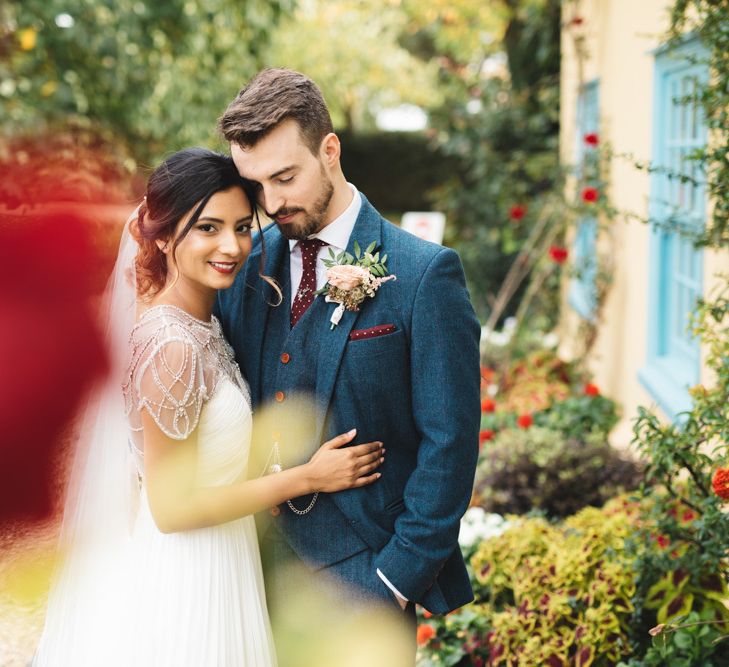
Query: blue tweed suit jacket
x=416, y=389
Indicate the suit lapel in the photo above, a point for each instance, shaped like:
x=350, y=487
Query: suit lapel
x=367, y=229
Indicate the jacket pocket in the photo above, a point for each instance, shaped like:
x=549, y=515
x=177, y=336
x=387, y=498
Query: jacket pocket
x=372, y=332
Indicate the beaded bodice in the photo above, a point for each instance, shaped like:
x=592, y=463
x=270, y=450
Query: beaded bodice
x=177, y=364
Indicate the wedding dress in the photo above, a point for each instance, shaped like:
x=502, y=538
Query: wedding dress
x=130, y=595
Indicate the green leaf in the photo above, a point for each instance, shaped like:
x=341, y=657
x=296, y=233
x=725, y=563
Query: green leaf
x=371, y=247
x=384, y=259
x=357, y=250
x=676, y=606
x=331, y=254
x=682, y=639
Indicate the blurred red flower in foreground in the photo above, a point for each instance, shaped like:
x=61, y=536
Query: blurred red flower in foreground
x=558, y=254
x=590, y=195
x=425, y=634
x=63, y=199
x=488, y=405
x=591, y=389
x=517, y=211
x=720, y=483
x=524, y=421
x=592, y=139
x=50, y=350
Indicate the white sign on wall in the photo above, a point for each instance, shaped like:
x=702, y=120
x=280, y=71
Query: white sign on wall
x=426, y=225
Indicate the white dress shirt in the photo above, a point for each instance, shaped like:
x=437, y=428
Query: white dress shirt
x=336, y=235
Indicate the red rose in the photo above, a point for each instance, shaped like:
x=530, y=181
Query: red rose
x=721, y=483
x=592, y=139
x=558, y=254
x=687, y=516
x=590, y=195
x=485, y=435
x=591, y=389
x=662, y=541
x=524, y=421
x=425, y=634
x=488, y=405
x=517, y=211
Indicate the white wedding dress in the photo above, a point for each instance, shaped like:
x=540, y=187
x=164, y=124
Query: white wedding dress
x=192, y=598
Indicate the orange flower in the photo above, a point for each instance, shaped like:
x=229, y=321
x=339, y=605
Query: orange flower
x=591, y=389
x=487, y=373
x=524, y=421
x=721, y=483
x=488, y=405
x=425, y=634
x=427, y=614
x=485, y=435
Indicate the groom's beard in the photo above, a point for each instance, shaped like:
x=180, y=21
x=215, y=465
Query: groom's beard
x=313, y=221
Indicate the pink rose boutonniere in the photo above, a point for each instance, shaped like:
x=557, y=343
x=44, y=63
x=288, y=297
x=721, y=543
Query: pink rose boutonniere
x=353, y=278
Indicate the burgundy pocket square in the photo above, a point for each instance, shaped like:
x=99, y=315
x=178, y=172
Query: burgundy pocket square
x=372, y=332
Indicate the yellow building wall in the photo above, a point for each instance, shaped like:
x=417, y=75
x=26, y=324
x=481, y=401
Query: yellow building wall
x=620, y=37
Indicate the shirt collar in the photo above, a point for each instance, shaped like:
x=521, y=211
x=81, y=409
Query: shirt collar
x=336, y=234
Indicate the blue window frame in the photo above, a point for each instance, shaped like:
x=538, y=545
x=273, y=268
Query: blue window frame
x=582, y=296
x=676, y=266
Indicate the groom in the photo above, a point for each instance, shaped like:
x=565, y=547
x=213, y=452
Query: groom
x=403, y=370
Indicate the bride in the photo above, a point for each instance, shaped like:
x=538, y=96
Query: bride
x=161, y=564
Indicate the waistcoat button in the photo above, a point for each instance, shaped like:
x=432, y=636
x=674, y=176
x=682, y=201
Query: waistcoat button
x=280, y=396
x=285, y=358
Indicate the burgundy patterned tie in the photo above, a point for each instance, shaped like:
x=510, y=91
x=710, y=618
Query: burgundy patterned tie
x=307, y=286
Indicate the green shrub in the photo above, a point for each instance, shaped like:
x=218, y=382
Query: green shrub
x=373, y=161
x=579, y=415
x=687, y=577
x=561, y=594
x=538, y=468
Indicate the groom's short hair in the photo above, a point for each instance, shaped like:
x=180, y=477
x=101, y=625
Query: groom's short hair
x=271, y=97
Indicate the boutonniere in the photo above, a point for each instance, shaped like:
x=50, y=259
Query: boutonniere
x=353, y=278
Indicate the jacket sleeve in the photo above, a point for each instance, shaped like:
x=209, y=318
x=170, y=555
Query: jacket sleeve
x=445, y=369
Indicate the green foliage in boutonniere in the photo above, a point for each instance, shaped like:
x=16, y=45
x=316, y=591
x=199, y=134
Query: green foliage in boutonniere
x=353, y=278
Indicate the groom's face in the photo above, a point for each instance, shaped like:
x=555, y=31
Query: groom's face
x=294, y=185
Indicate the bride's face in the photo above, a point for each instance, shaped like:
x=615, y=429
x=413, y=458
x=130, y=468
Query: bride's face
x=213, y=251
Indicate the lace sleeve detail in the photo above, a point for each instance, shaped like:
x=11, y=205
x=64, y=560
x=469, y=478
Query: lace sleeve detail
x=170, y=382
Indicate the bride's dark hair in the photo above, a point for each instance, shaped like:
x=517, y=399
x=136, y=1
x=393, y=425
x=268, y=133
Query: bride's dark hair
x=184, y=181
